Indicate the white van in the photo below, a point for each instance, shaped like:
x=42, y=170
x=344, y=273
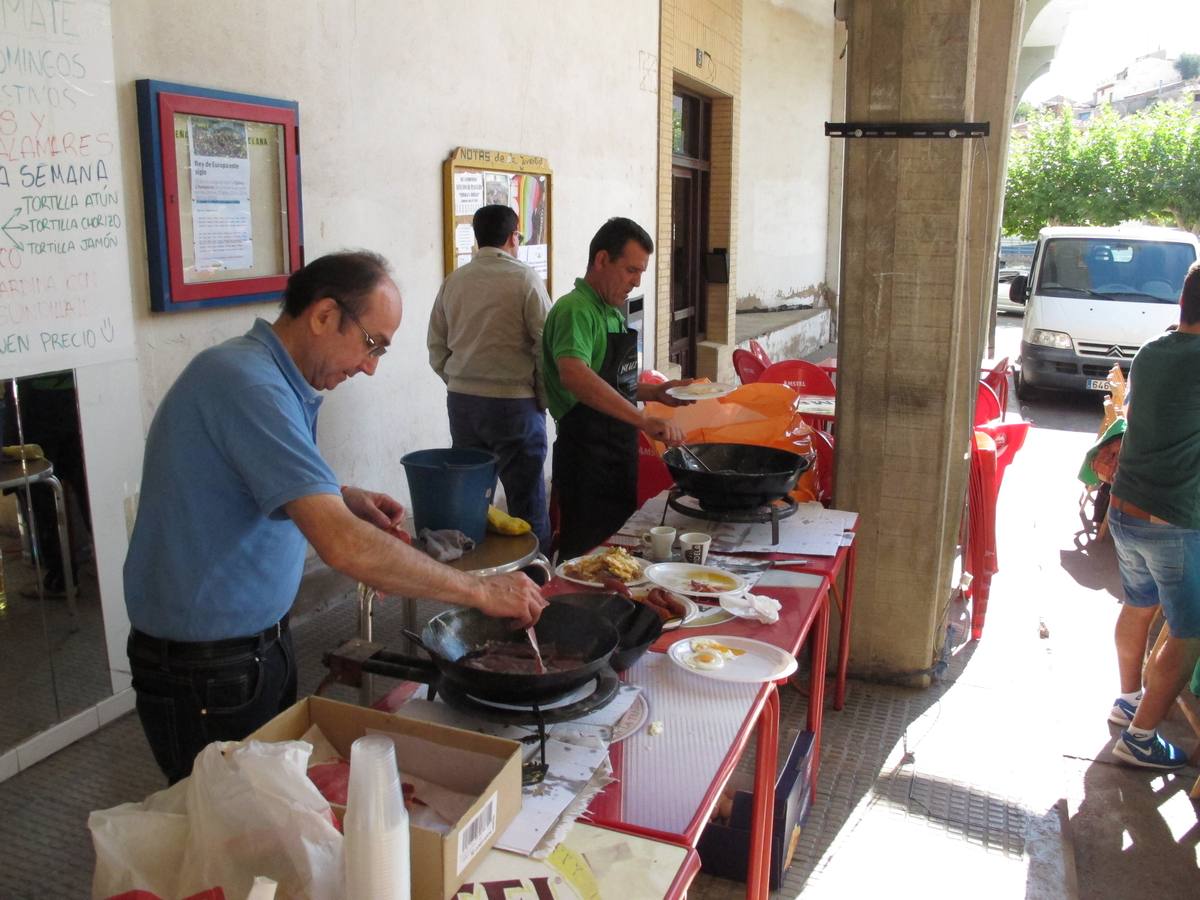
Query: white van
x=1093, y=297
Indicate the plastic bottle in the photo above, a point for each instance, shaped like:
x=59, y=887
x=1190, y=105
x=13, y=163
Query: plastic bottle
x=376, y=824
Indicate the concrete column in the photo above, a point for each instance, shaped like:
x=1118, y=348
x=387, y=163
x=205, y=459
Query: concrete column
x=910, y=324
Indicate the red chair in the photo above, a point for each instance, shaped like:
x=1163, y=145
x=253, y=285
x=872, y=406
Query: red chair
x=997, y=380
x=987, y=405
x=747, y=366
x=759, y=353
x=804, y=378
x=801, y=376
x=653, y=475
x=652, y=376
x=822, y=444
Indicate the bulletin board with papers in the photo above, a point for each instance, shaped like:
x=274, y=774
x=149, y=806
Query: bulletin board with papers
x=475, y=178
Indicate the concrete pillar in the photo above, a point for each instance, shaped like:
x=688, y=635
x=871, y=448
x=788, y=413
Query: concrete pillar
x=910, y=325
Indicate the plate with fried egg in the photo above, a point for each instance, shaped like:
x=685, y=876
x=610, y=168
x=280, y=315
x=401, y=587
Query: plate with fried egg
x=728, y=658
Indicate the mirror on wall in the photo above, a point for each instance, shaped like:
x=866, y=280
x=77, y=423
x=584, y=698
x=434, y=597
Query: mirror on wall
x=53, y=661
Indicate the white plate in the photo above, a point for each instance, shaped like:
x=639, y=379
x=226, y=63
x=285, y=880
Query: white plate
x=709, y=616
x=677, y=577
x=761, y=662
x=633, y=720
x=692, y=610
x=562, y=574
x=702, y=391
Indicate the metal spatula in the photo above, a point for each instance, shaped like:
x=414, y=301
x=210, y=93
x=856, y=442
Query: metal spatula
x=692, y=453
x=537, y=651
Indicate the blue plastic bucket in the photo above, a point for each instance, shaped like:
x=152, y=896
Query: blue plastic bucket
x=451, y=489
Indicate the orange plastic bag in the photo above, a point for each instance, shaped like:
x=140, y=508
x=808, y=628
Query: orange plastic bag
x=759, y=414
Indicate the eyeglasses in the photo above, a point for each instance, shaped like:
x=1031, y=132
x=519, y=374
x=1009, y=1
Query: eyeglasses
x=374, y=348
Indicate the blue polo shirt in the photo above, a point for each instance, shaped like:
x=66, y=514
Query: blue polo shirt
x=213, y=554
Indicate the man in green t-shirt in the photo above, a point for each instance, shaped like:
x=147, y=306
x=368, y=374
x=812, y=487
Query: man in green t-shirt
x=1154, y=516
x=590, y=368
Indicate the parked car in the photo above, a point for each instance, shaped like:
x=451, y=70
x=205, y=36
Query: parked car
x=1004, y=280
x=1092, y=298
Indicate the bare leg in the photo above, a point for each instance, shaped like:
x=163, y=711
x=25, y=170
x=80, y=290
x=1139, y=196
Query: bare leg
x=1168, y=670
x=1133, y=626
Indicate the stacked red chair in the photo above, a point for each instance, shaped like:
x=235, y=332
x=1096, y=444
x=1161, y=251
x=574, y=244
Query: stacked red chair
x=804, y=378
x=981, y=560
x=997, y=379
x=747, y=366
x=759, y=353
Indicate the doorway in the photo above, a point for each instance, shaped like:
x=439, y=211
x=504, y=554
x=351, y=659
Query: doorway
x=690, y=172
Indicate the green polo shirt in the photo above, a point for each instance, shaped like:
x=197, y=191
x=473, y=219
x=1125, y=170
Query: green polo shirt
x=578, y=325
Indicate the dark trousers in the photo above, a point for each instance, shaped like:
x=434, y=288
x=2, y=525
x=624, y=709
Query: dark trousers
x=515, y=430
x=189, y=695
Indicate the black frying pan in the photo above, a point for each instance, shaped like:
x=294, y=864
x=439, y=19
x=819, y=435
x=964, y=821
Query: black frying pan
x=743, y=476
x=451, y=635
x=638, y=626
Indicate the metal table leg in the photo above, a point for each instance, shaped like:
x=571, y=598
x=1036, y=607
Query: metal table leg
x=64, y=542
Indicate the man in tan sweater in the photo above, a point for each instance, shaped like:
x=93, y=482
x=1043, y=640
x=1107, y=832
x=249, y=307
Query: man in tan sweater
x=485, y=335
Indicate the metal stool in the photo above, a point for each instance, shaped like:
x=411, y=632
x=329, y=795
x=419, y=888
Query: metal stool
x=16, y=474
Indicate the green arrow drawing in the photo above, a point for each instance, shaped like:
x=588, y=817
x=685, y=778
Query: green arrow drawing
x=5, y=228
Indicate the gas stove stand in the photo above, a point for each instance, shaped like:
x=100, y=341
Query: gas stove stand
x=773, y=512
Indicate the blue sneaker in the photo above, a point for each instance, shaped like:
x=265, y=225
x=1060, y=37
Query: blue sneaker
x=1152, y=753
x=1122, y=712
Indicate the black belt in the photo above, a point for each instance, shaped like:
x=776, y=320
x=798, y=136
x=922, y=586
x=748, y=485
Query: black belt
x=163, y=649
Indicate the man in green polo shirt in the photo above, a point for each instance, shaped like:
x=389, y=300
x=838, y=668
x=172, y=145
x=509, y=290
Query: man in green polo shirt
x=591, y=374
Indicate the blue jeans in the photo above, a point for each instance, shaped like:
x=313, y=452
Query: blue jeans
x=515, y=430
x=189, y=695
x=1160, y=564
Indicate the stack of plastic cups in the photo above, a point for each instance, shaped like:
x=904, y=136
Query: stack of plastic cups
x=376, y=824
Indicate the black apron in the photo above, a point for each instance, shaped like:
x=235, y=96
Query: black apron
x=595, y=466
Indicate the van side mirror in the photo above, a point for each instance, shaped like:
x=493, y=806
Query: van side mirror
x=1018, y=289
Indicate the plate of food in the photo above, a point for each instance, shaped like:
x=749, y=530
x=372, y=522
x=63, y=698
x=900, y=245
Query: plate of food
x=611, y=562
x=674, y=609
x=700, y=390
x=702, y=582
x=728, y=658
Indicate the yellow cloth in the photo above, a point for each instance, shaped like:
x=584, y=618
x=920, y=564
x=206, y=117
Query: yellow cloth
x=23, y=451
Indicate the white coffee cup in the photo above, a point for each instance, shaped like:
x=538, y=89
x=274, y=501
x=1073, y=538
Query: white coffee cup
x=657, y=543
x=694, y=546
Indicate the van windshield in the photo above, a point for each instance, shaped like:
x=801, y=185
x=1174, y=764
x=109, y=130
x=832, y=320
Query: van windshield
x=1112, y=269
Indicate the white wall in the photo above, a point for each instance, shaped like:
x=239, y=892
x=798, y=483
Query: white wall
x=386, y=91
x=787, y=81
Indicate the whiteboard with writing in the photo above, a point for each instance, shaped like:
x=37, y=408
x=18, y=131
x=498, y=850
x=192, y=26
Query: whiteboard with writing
x=64, y=269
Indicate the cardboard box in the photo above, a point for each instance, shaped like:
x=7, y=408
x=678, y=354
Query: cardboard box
x=467, y=762
x=725, y=848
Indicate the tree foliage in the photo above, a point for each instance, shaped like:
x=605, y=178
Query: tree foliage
x=1107, y=170
x=1188, y=65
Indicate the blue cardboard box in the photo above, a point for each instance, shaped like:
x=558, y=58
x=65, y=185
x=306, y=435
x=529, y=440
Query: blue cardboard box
x=725, y=847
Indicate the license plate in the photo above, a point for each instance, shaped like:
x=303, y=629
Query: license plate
x=1100, y=384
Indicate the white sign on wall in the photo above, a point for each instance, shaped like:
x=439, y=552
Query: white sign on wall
x=64, y=270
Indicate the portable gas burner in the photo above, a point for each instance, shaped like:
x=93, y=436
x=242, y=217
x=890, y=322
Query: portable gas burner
x=773, y=512
x=349, y=662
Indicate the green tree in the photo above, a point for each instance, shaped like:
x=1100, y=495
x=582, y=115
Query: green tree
x=1106, y=170
x=1025, y=109
x=1188, y=65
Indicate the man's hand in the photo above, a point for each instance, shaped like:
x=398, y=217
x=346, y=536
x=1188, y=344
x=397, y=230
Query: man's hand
x=662, y=430
x=380, y=510
x=513, y=596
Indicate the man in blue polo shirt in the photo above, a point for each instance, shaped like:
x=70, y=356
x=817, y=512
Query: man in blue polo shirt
x=233, y=487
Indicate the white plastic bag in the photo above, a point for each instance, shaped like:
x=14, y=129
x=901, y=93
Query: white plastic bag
x=248, y=809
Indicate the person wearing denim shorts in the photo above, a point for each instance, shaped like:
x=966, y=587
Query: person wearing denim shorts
x=1154, y=517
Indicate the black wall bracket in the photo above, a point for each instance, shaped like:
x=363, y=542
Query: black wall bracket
x=907, y=129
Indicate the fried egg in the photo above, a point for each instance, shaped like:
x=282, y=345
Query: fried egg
x=716, y=647
x=704, y=659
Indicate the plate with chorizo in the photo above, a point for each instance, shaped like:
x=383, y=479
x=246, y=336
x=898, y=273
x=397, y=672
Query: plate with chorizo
x=701, y=582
